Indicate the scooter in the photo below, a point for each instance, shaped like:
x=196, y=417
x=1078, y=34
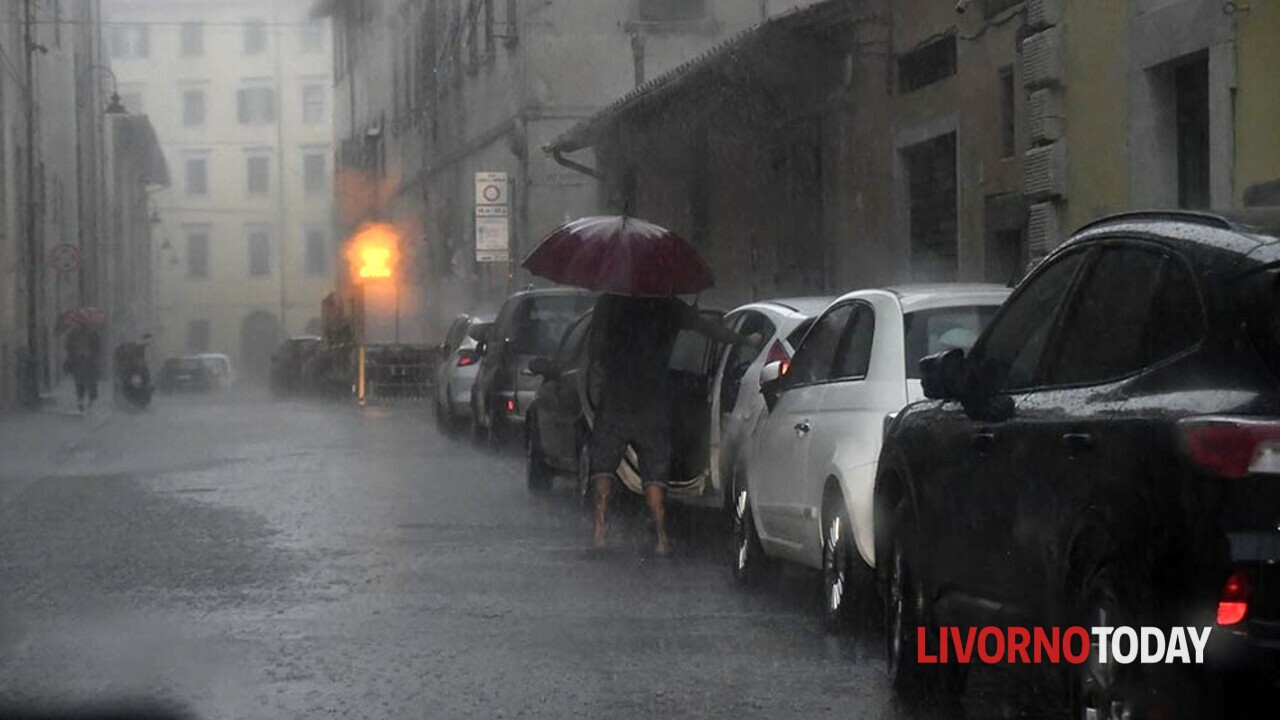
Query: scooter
x=133, y=377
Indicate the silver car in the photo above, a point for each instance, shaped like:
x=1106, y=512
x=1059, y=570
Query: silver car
x=457, y=371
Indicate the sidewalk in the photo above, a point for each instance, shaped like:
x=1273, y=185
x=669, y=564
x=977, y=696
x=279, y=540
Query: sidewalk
x=32, y=442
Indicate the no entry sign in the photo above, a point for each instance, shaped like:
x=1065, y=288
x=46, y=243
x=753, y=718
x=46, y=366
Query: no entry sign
x=65, y=257
x=491, y=188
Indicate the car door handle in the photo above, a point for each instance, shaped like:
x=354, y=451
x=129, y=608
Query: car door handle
x=1077, y=443
x=983, y=440
x=803, y=427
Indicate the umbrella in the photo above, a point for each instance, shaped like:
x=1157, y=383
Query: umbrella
x=620, y=255
x=82, y=316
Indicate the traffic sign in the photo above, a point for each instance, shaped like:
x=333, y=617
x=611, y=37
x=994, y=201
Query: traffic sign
x=65, y=257
x=491, y=188
x=492, y=236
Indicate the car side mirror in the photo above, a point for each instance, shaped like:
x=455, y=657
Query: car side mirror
x=942, y=374
x=541, y=366
x=771, y=383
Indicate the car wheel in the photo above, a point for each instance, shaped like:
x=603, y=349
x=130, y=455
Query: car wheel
x=907, y=610
x=1104, y=691
x=746, y=553
x=540, y=474
x=844, y=583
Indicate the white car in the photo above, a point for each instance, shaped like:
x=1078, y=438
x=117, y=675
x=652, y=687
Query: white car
x=811, y=465
x=224, y=376
x=734, y=413
x=456, y=373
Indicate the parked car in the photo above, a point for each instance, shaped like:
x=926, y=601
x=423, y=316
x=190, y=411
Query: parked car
x=563, y=413
x=457, y=371
x=186, y=374
x=805, y=493
x=1107, y=454
x=219, y=365
x=530, y=323
x=287, y=362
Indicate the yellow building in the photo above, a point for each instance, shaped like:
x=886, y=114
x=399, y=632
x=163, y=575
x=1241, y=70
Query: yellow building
x=240, y=96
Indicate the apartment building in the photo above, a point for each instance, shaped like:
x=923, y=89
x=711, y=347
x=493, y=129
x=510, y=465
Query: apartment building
x=240, y=94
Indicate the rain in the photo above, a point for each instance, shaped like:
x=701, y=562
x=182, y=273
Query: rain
x=882, y=359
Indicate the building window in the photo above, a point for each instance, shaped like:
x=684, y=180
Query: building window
x=931, y=195
x=317, y=254
x=259, y=253
x=197, y=176
x=198, y=254
x=256, y=105
x=192, y=39
x=259, y=170
x=311, y=37
x=312, y=104
x=197, y=336
x=192, y=108
x=129, y=42
x=672, y=10
x=132, y=101
x=255, y=37
x=313, y=172
x=1008, y=114
x=927, y=65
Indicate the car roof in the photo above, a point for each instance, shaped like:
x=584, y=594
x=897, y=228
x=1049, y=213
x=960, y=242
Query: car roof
x=549, y=292
x=922, y=296
x=1226, y=239
x=807, y=306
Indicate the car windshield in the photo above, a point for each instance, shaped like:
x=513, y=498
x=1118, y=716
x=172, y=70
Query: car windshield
x=940, y=329
x=540, y=322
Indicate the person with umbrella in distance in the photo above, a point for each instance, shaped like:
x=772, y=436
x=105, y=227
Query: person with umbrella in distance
x=640, y=269
x=83, y=347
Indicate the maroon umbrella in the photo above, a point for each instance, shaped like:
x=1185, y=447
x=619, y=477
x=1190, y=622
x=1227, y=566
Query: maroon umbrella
x=620, y=255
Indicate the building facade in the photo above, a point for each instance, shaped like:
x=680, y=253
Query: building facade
x=481, y=86
x=57, y=250
x=240, y=96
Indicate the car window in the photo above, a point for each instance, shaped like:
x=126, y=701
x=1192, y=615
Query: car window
x=540, y=322
x=817, y=353
x=1113, y=328
x=573, y=342
x=1009, y=354
x=740, y=357
x=941, y=329
x=797, y=334
x=456, y=332
x=689, y=353
x=853, y=355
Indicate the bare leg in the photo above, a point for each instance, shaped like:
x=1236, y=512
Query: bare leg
x=604, y=489
x=656, y=495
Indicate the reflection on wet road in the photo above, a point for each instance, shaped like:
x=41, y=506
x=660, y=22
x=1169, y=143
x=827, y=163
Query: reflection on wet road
x=285, y=560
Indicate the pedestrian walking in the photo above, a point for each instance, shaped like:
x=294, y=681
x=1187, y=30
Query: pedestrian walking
x=84, y=363
x=630, y=353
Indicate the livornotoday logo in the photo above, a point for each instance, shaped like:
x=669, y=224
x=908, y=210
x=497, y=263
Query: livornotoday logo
x=1076, y=644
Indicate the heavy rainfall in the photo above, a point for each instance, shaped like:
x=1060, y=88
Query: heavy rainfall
x=883, y=359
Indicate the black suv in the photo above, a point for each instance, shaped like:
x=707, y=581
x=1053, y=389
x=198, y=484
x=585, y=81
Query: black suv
x=530, y=323
x=1107, y=454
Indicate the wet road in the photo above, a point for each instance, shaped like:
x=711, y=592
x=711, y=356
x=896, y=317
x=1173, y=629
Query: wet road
x=252, y=559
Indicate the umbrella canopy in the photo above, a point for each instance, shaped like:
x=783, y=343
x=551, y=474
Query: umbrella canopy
x=91, y=316
x=620, y=255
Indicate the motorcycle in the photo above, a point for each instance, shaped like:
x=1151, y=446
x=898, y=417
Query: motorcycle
x=133, y=378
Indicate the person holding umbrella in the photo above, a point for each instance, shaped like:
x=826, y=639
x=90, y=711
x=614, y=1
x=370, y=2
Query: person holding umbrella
x=83, y=347
x=641, y=269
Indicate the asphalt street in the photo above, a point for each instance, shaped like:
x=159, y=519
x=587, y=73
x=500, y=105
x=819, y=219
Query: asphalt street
x=254, y=559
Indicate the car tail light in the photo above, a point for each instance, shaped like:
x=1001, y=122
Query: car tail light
x=1233, y=605
x=778, y=353
x=1233, y=447
x=511, y=405
x=466, y=358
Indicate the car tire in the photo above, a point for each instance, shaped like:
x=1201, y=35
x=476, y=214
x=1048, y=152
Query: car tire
x=539, y=474
x=907, y=609
x=746, y=554
x=846, y=581
x=1107, y=690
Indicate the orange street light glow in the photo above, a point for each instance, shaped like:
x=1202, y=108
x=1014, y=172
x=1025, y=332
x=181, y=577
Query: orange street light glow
x=373, y=252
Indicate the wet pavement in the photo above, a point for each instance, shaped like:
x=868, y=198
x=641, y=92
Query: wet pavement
x=257, y=559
